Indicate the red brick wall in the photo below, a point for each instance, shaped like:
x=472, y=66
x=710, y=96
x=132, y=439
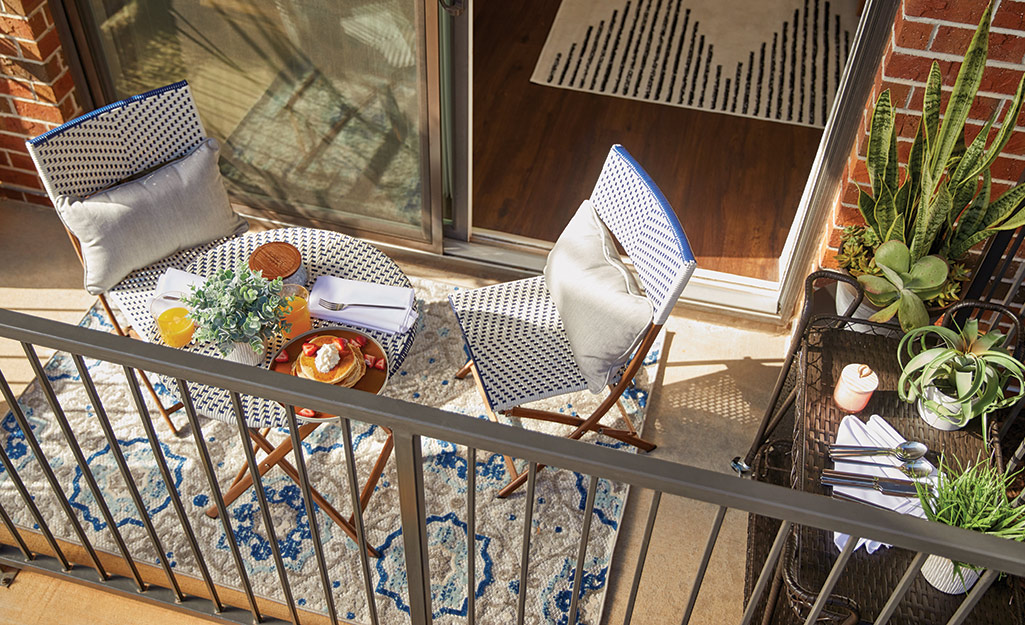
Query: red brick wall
x=36, y=92
x=927, y=30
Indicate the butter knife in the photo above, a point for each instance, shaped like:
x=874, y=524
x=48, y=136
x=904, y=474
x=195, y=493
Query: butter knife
x=896, y=490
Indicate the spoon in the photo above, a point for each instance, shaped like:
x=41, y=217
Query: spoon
x=917, y=468
x=908, y=450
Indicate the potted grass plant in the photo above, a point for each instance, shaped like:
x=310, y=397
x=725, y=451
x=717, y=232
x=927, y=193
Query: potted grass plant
x=974, y=498
x=238, y=310
x=939, y=202
x=957, y=375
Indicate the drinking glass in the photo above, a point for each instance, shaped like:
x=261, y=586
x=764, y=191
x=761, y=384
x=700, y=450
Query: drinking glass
x=170, y=315
x=297, y=311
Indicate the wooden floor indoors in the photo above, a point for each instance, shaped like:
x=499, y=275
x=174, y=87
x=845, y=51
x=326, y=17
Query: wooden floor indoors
x=735, y=182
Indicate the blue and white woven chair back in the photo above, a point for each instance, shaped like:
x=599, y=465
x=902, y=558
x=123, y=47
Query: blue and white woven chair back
x=112, y=143
x=640, y=218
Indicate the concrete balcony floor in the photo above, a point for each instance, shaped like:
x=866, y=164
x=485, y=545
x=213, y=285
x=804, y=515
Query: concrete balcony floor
x=716, y=380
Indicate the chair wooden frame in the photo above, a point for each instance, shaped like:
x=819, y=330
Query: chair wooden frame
x=591, y=424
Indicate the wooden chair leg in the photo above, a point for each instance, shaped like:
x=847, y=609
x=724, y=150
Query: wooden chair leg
x=509, y=465
x=272, y=459
x=375, y=473
x=627, y=436
x=465, y=370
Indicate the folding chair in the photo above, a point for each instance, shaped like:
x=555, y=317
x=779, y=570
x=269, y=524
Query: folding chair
x=523, y=337
x=113, y=144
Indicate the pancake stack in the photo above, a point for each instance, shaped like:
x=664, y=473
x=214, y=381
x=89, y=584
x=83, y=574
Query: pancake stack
x=347, y=372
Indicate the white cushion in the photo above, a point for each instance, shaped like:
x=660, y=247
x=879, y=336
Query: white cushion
x=602, y=309
x=134, y=224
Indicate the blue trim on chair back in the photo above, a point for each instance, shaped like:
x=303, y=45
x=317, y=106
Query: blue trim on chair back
x=114, y=142
x=638, y=215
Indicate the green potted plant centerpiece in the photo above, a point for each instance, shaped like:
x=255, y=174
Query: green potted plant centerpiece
x=938, y=204
x=973, y=498
x=238, y=310
x=956, y=375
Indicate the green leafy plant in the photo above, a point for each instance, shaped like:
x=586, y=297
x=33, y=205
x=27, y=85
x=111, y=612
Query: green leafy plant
x=971, y=368
x=973, y=498
x=943, y=206
x=237, y=306
x=903, y=285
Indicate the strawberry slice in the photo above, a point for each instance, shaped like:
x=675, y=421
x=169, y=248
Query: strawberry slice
x=360, y=340
x=309, y=349
x=367, y=358
x=380, y=364
x=305, y=412
x=282, y=357
x=341, y=344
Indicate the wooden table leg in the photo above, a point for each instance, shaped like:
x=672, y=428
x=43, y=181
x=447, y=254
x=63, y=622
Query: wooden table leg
x=375, y=473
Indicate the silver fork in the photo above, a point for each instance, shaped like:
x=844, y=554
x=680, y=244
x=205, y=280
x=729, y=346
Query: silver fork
x=336, y=306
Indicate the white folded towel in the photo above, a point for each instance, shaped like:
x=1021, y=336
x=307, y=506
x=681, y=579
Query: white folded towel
x=876, y=433
x=391, y=320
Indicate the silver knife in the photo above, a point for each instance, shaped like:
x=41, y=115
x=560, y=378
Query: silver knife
x=896, y=490
x=865, y=477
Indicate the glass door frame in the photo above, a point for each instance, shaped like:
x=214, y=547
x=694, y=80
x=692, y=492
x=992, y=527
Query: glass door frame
x=79, y=36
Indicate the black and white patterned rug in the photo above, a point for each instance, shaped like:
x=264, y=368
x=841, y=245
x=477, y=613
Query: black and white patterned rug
x=779, y=60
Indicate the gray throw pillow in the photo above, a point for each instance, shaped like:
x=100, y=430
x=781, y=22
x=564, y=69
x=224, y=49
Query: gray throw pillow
x=599, y=300
x=134, y=224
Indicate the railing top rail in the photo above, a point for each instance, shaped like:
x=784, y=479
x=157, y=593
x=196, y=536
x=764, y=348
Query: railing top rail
x=644, y=471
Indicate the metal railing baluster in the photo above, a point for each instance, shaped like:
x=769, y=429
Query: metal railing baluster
x=528, y=520
x=902, y=588
x=713, y=536
x=649, y=526
x=311, y=513
x=357, y=519
x=215, y=492
x=578, y=575
x=44, y=462
x=26, y=498
x=832, y=579
x=87, y=475
x=409, y=466
x=766, y=574
x=261, y=497
x=16, y=534
x=974, y=595
x=172, y=490
x=126, y=474
x=471, y=535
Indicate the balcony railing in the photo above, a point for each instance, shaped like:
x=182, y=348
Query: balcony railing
x=410, y=424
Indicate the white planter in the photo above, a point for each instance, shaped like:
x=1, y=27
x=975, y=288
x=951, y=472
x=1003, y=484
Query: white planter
x=933, y=419
x=845, y=295
x=939, y=572
x=242, y=353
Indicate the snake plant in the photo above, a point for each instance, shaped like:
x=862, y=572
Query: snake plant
x=971, y=368
x=944, y=204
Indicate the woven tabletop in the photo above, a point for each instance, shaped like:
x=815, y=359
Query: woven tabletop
x=323, y=252
x=869, y=578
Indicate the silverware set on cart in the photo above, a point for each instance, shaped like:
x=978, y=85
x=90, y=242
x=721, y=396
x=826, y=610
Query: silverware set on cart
x=913, y=464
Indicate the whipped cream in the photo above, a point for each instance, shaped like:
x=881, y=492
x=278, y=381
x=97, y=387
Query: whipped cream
x=327, y=358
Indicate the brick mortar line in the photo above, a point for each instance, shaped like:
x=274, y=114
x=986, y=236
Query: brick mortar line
x=997, y=95
x=971, y=121
x=999, y=30
x=954, y=58
x=36, y=38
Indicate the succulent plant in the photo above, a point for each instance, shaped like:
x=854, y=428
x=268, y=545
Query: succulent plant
x=903, y=285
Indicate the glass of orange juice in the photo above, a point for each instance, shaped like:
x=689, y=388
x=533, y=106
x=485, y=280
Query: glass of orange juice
x=170, y=314
x=297, y=310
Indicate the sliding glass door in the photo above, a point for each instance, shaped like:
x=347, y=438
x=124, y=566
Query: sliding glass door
x=323, y=108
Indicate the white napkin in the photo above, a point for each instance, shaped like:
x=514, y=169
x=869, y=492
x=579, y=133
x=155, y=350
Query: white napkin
x=391, y=320
x=877, y=433
x=177, y=280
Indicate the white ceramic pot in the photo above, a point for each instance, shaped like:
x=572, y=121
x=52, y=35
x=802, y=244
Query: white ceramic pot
x=244, y=354
x=845, y=295
x=933, y=419
x=939, y=572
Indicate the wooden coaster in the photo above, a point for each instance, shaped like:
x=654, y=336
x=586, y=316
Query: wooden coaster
x=276, y=260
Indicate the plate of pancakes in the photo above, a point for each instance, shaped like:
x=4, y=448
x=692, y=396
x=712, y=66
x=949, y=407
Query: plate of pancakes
x=362, y=362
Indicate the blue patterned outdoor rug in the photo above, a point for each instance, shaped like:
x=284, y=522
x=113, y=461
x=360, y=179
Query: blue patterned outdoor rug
x=427, y=378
